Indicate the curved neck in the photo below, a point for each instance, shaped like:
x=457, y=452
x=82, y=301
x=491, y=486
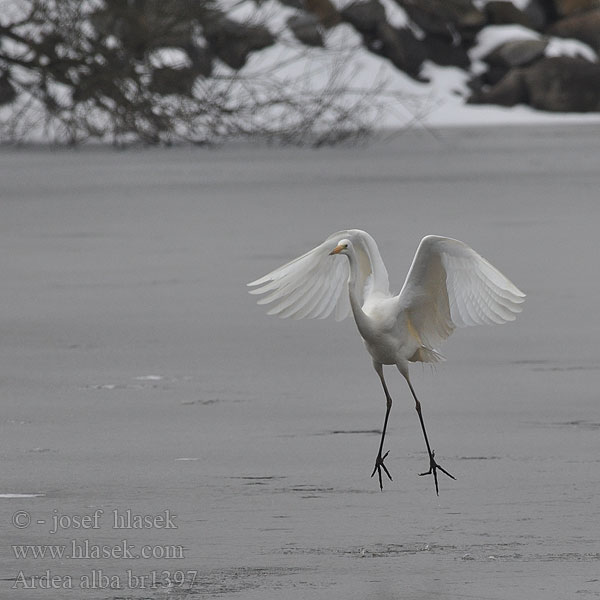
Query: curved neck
x=354, y=291
x=380, y=281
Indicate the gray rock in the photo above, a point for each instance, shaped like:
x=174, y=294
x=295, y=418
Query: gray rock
x=324, y=10
x=305, y=28
x=366, y=17
x=7, y=90
x=166, y=80
x=557, y=84
x=572, y=7
x=540, y=13
x=232, y=41
x=456, y=20
x=509, y=91
x=507, y=56
x=201, y=59
x=403, y=49
x=297, y=4
x=399, y=45
x=504, y=12
x=516, y=53
x=584, y=27
x=564, y=84
x=444, y=53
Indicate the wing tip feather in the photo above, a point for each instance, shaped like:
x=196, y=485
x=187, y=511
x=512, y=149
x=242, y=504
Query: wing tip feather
x=259, y=281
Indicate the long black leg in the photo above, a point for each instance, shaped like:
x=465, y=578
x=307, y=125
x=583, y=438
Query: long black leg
x=433, y=466
x=379, y=464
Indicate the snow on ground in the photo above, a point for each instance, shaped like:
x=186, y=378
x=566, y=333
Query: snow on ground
x=561, y=47
x=395, y=14
x=441, y=102
x=493, y=36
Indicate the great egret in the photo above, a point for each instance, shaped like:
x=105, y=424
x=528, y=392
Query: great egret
x=448, y=285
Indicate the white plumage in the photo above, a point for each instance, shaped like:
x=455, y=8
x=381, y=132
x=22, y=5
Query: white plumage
x=448, y=285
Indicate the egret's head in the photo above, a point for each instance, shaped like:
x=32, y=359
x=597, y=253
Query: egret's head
x=342, y=247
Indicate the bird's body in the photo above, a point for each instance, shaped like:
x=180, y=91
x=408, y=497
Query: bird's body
x=448, y=285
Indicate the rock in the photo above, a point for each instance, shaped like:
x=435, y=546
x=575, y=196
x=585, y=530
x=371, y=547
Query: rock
x=141, y=30
x=570, y=7
x=442, y=52
x=403, y=49
x=166, y=80
x=399, y=45
x=557, y=84
x=509, y=91
x=366, y=17
x=516, y=53
x=503, y=12
x=540, y=13
x=564, y=84
x=7, y=90
x=306, y=29
x=297, y=4
x=201, y=59
x=507, y=56
x=584, y=27
x=232, y=41
x=324, y=10
x=456, y=20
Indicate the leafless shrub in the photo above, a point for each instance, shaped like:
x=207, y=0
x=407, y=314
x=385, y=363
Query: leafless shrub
x=165, y=71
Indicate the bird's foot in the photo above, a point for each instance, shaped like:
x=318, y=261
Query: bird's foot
x=380, y=465
x=433, y=468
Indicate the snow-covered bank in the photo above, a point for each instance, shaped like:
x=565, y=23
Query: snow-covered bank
x=299, y=71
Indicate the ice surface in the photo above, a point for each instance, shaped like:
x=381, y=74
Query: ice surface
x=118, y=265
x=10, y=496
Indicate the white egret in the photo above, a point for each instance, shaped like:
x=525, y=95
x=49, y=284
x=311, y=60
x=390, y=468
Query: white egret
x=448, y=285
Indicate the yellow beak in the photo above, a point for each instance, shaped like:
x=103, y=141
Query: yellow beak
x=336, y=250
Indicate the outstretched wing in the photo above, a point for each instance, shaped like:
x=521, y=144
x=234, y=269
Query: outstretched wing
x=449, y=285
x=315, y=284
x=312, y=285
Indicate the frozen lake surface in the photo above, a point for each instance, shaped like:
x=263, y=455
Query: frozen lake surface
x=138, y=375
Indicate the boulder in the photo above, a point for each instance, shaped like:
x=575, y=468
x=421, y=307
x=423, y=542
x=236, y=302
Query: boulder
x=570, y=7
x=201, y=59
x=166, y=80
x=7, y=89
x=324, y=10
x=305, y=28
x=540, y=13
x=509, y=91
x=141, y=30
x=442, y=52
x=399, y=45
x=507, y=56
x=564, y=84
x=516, y=53
x=584, y=27
x=297, y=4
x=557, y=84
x=456, y=20
x=367, y=16
x=232, y=41
x=504, y=12
x=403, y=49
